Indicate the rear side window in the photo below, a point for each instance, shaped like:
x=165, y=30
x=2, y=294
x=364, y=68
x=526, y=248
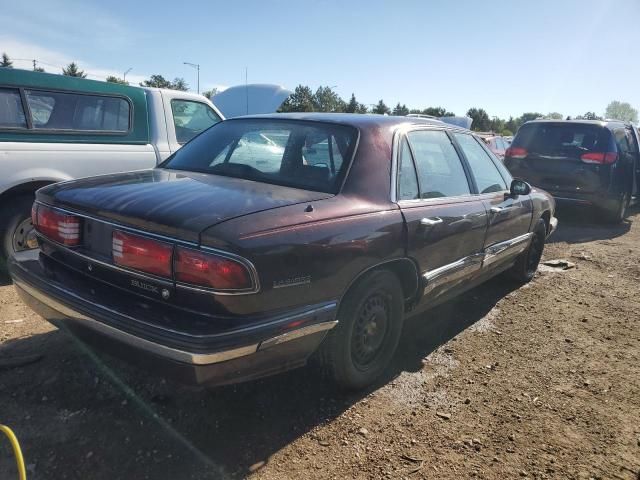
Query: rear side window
x=622, y=141
x=440, y=171
x=11, y=111
x=190, y=118
x=78, y=112
x=485, y=172
x=568, y=139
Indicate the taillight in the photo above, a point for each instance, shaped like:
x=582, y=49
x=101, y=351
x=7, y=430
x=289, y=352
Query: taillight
x=603, y=158
x=209, y=270
x=140, y=253
x=34, y=214
x=59, y=227
x=516, y=152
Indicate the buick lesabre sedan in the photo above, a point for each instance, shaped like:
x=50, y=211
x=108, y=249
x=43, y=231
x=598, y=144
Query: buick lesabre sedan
x=270, y=240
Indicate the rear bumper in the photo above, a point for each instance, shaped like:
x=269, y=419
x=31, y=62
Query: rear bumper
x=600, y=200
x=240, y=357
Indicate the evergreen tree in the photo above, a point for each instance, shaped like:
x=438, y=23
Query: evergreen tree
x=6, y=61
x=72, y=70
x=381, y=108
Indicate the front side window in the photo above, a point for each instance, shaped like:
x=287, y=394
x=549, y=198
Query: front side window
x=190, y=118
x=407, y=180
x=282, y=152
x=78, y=112
x=440, y=171
x=11, y=111
x=488, y=178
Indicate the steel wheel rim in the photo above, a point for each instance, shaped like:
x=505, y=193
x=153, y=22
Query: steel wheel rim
x=24, y=236
x=370, y=330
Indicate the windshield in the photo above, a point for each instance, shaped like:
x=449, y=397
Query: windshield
x=562, y=139
x=307, y=155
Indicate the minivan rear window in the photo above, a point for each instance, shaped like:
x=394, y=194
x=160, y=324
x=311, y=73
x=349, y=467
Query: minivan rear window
x=300, y=154
x=566, y=139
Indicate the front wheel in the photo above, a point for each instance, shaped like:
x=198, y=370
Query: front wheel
x=16, y=231
x=357, y=351
x=527, y=263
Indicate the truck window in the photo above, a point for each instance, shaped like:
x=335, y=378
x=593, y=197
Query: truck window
x=11, y=112
x=78, y=112
x=191, y=118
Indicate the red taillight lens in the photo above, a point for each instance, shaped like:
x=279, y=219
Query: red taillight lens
x=516, y=152
x=140, y=253
x=603, y=158
x=57, y=226
x=212, y=271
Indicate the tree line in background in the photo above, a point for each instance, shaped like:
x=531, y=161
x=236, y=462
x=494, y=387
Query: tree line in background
x=325, y=99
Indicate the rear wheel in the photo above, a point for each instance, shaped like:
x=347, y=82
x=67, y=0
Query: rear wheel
x=527, y=263
x=357, y=351
x=619, y=212
x=16, y=231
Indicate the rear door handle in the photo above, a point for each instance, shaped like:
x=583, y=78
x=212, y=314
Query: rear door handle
x=430, y=222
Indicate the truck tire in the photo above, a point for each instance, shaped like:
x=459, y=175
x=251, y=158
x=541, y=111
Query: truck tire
x=527, y=263
x=358, y=350
x=16, y=230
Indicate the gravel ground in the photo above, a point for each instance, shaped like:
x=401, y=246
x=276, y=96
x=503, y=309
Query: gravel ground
x=537, y=382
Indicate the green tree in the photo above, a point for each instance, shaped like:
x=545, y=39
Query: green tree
x=401, y=110
x=496, y=125
x=506, y=133
x=621, y=111
x=6, y=61
x=210, y=93
x=554, y=116
x=526, y=117
x=38, y=69
x=301, y=100
x=158, y=81
x=589, y=116
x=114, y=79
x=437, y=112
x=362, y=108
x=326, y=100
x=511, y=124
x=381, y=108
x=352, y=106
x=481, y=122
x=179, y=84
x=72, y=70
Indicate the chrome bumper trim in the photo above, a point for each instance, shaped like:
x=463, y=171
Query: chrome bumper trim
x=162, y=350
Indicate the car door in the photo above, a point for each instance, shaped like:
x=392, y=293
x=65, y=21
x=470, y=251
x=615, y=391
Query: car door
x=633, y=142
x=509, y=217
x=445, y=223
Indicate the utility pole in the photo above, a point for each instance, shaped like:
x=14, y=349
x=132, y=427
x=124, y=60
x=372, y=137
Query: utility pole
x=124, y=77
x=197, y=67
x=34, y=64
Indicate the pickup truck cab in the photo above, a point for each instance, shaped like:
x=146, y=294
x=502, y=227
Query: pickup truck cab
x=55, y=128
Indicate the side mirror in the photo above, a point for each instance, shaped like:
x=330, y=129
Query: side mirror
x=519, y=187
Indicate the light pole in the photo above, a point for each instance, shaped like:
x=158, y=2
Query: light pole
x=124, y=77
x=197, y=67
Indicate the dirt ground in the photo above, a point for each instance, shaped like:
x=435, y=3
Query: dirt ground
x=537, y=382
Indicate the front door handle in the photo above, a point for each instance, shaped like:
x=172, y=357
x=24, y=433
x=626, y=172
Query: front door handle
x=499, y=209
x=430, y=222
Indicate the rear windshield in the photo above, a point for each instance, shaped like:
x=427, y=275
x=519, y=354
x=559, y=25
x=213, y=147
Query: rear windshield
x=300, y=154
x=563, y=139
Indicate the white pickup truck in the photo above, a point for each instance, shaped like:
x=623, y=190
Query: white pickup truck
x=55, y=128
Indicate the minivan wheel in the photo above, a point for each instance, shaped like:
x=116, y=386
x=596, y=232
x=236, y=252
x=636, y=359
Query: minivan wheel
x=527, y=263
x=619, y=212
x=16, y=230
x=357, y=351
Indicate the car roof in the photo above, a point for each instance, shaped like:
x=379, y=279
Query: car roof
x=357, y=120
x=600, y=123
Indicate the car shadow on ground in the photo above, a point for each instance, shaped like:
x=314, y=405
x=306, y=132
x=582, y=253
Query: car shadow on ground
x=148, y=425
x=580, y=225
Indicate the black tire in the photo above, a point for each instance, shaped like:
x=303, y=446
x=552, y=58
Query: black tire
x=358, y=350
x=527, y=263
x=619, y=212
x=15, y=226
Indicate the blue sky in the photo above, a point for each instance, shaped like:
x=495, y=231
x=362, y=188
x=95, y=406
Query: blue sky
x=507, y=57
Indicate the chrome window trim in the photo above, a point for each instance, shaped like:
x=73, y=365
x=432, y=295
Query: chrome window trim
x=253, y=273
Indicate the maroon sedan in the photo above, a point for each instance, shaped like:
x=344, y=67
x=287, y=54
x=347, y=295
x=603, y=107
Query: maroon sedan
x=269, y=239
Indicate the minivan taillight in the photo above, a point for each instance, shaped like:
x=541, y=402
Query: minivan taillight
x=602, y=158
x=209, y=270
x=57, y=226
x=516, y=152
x=141, y=253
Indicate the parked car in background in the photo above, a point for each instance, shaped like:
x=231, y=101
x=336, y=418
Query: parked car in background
x=55, y=128
x=496, y=143
x=582, y=162
x=218, y=267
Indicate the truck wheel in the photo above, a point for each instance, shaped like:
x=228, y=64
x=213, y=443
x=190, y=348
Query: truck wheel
x=16, y=231
x=619, y=212
x=357, y=351
x=527, y=263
